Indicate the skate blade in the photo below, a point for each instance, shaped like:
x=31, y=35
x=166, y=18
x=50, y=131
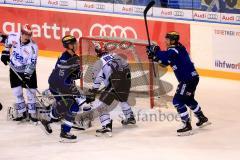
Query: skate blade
x=205, y=124
x=64, y=140
x=129, y=124
x=107, y=134
x=78, y=128
x=188, y=133
x=21, y=122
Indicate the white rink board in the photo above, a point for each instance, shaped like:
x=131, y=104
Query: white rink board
x=68, y=4
x=94, y=6
x=216, y=43
x=24, y=2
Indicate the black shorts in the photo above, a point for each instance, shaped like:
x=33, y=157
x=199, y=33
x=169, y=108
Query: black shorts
x=118, y=89
x=16, y=82
x=186, y=90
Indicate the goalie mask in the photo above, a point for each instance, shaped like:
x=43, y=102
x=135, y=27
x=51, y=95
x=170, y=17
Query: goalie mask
x=100, y=48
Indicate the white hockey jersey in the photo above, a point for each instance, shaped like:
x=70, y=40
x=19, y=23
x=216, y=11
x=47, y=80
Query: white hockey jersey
x=103, y=69
x=23, y=57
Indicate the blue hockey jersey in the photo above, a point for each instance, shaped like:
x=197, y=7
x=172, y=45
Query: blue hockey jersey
x=178, y=58
x=67, y=69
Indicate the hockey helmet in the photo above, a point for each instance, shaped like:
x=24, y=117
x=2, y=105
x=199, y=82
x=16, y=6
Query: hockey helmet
x=26, y=29
x=100, y=48
x=173, y=36
x=68, y=39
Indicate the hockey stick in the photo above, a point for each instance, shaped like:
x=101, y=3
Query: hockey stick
x=150, y=5
x=20, y=78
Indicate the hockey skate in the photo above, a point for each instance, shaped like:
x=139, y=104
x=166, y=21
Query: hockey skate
x=202, y=121
x=67, y=137
x=105, y=130
x=33, y=118
x=128, y=121
x=1, y=106
x=186, y=130
x=46, y=126
x=21, y=117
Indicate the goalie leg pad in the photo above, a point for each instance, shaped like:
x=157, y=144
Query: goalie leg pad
x=126, y=109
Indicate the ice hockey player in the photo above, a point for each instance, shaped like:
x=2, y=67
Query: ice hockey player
x=2, y=40
x=68, y=98
x=23, y=59
x=114, y=72
x=178, y=58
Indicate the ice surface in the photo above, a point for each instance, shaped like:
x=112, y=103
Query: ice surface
x=154, y=140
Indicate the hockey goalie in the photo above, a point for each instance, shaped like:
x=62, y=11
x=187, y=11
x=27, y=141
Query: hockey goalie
x=114, y=72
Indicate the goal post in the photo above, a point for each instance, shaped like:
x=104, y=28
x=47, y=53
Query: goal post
x=143, y=82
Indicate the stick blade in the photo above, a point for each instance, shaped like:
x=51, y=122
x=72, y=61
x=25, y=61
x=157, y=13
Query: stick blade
x=150, y=4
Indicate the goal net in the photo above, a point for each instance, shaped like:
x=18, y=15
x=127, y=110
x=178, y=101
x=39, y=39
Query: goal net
x=144, y=83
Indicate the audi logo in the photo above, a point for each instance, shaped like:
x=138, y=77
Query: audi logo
x=178, y=13
x=138, y=10
x=212, y=16
x=63, y=3
x=100, y=6
x=29, y=1
x=112, y=31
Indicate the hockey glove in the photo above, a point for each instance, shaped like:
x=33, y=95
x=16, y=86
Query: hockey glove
x=90, y=97
x=5, y=58
x=151, y=51
x=3, y=38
